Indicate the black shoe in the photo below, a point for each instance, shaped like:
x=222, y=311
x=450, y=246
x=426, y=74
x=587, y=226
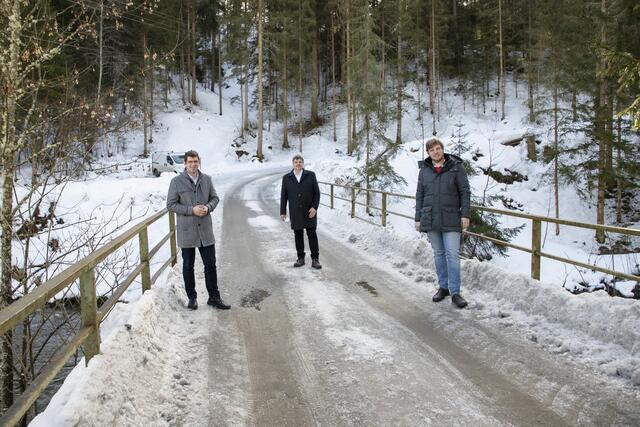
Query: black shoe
x=458, y=301
x=218, y=303
x=193, y=304
x=440, y=295
x=315, y=263
x=299, y=262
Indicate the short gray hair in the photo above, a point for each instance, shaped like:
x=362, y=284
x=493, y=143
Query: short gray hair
x=297, y=157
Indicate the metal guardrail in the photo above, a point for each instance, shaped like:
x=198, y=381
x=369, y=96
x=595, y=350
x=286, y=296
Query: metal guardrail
x=536, y=230
x=90, y=316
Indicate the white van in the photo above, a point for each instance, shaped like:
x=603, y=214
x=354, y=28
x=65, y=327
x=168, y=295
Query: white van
x=166, y=161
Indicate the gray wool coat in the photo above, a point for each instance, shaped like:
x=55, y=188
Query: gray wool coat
x=442, y=199
x=193, y=231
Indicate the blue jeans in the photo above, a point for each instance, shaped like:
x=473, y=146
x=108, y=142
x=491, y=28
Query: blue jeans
x=446, y=251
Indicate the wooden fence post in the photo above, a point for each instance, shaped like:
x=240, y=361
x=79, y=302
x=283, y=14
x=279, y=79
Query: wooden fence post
x=89, y=313
x=536, y=247
x=331, y=203
x=144, y=259
x=353, y=202
x=384, y=209
x=172, y=239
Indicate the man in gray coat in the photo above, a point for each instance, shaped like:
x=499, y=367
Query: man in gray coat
x=443, y=202
x=192, y=197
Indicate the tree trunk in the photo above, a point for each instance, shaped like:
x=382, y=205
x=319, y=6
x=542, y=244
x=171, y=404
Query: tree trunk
x=212, y=52
x=608, y=165
x=270, y=84
x=556, y=147
x=399, y=85
x=417, y=83
x=182, y=72
x=167, y=86
x=530, y=77
x=367, y=125
x=348, y=79
x=574, y=104
x=219, y=75
x=432, y=74
x=9, y=145
x=383, y=50
x=502, y=76
x=300, y=74
x=619, y=182
x=602, y=108
x=458, y=45
x=260, y=102
x=315, y=76
x=333, y=80
x=152, y=86
x=245, y=99
x=145, y=95
x=187, y=53
x=101, y=22
x=194, y=99
x=285, y=100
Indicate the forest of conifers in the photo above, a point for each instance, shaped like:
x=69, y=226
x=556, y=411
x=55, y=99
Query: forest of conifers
x=74, y=72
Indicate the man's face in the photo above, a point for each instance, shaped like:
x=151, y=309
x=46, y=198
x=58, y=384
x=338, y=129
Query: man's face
x=298, y=164
x=192, y=164
x=436, y=152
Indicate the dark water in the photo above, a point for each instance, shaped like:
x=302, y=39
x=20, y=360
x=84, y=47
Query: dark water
x=51, y=328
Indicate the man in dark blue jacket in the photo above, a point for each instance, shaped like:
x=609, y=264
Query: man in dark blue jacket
x=443, y=201
x=300, y=189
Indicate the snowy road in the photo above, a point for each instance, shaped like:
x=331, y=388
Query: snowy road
x=342, y=346
x=350, y=344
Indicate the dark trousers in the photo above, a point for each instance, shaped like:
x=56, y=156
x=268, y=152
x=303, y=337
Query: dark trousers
x=208, y=255
x=313, y=242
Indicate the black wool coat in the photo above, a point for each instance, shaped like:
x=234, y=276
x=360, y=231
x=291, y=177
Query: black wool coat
x=301, y=197
x=442, y=199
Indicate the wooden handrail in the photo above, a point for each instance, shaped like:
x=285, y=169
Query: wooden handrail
x=610, y=228
x=535, y=251
x=13, y=314
x=91, y=316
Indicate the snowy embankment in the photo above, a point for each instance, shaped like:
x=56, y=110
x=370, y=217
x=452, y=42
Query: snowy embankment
x=593, y=328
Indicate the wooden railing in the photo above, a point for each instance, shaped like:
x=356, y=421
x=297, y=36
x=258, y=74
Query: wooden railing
x=90, y=316
x=536, y=230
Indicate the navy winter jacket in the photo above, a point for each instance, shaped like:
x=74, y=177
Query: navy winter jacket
x=442, y=199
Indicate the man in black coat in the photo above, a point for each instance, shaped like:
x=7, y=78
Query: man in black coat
x=443, y=200
x=300, y=189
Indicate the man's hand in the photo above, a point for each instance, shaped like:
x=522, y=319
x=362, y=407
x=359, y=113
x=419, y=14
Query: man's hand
x=465, y=224
x=417, y=225
x=200, y=210
x=283, y=217
x=312, y=212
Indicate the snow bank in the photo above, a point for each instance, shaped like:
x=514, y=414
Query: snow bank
x=600, y=330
